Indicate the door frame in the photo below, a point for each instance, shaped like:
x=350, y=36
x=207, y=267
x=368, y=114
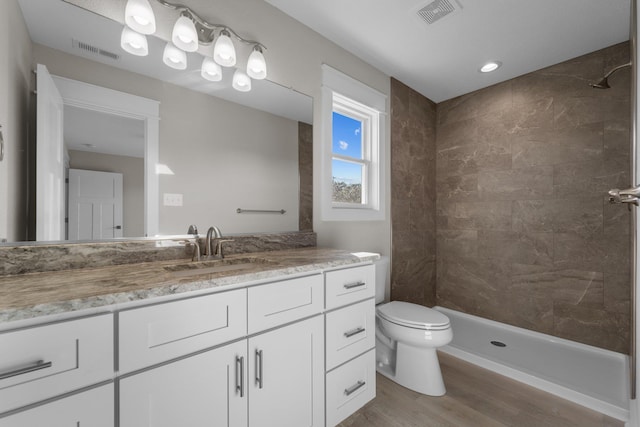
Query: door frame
x=100, y=99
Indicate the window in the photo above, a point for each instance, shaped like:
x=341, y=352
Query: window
x=353, y=146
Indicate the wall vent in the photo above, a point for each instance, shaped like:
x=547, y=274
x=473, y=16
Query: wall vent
x=88, y=48
x=437, y=10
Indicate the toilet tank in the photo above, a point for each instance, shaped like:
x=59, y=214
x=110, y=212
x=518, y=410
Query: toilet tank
x=382, y=266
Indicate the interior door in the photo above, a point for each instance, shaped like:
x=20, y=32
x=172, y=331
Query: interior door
x=95, y=205
x=50, y=182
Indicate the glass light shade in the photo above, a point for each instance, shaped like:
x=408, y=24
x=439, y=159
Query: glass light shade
x=174, y=57
x=241, y=82
x=134, y=43
x=139, y=16
x=256, y=65
x=211, y=70
x=224, y=53
x=185, y=35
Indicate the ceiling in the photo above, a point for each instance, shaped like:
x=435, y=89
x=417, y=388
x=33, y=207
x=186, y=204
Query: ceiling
x=441, y=60
x=88, y=130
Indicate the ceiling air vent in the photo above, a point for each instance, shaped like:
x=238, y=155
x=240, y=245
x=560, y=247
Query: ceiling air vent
x=438, y=9
x=87, y=48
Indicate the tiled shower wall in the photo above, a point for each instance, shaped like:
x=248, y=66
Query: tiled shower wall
x=413, y=192
x=525, y=235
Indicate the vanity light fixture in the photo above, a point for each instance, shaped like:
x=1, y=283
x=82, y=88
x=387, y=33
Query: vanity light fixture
x=211, y=70
x=184, y=34
x=490, y=66
x=224, y=53
x=174, y=57
x=139, y=16
x=241, y=81
x=190, y=32
x=133, y=42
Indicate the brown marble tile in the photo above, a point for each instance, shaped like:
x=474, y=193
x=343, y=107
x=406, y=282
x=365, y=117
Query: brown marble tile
x=601, y=328
x=546, y=147
x=305, y=167
x=479, y=215
x=509, y=246
x=457, y=243
x=521, y=184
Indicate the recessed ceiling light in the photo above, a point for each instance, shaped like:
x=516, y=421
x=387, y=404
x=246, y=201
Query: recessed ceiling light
x=490, y=66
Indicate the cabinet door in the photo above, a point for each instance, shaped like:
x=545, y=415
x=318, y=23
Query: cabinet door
x=92, y=408
x=286, y=376
x=208, y=389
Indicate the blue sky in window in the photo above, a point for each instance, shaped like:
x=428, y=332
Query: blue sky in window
x=347, y=141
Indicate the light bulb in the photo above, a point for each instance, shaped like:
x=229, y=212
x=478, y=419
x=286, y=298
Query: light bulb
x=490, y=66
x=134, y=43
x=185, y=35
x=174, y=57
x=256, y=65
x=241, y=82
x=211, y=70
x=223, y=52
x=139, y=16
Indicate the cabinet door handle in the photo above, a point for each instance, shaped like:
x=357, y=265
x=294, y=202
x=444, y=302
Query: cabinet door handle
x=40, y=364
x=354, y=285
x=355, y=331
x=353, y=388
x=259, y=368
x=240, y=375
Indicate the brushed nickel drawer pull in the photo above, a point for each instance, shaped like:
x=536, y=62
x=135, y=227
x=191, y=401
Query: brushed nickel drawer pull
x=353, y=332
x=349, y=391
x=40, y=364
x=240, y=373
x=354, y=285
x=259, y=368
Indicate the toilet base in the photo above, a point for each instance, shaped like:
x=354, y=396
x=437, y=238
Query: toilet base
x=417, y=369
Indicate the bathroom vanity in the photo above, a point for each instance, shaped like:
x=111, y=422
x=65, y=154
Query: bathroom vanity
x=287, y=340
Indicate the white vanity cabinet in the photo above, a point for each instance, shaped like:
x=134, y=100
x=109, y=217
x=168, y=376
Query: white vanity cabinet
x=272, y=374
x=350, y=341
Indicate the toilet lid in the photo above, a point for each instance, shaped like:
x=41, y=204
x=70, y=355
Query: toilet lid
x=413, y=315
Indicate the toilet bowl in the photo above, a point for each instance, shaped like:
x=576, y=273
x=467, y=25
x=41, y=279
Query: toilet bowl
x=407, y=336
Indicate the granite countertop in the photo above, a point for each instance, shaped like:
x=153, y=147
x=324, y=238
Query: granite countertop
x=27, y=296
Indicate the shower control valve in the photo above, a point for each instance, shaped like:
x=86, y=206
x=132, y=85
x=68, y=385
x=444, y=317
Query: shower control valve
x=629, y=195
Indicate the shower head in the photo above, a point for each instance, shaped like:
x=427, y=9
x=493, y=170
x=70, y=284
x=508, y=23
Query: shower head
x=604, y=82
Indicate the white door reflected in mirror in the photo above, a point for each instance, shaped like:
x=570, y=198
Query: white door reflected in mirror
x=95, y=205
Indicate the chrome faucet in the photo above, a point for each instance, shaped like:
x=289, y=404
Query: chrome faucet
x=212, y=250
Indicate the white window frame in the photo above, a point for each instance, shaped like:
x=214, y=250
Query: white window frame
x=352, y=98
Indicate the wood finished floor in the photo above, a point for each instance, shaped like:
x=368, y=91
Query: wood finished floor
x=475, y=397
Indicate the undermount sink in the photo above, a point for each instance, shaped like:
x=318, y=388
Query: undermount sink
x=216, y=266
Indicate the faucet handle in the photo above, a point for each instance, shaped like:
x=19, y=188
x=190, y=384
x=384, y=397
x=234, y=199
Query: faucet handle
x=193, y=229
x=196, y=249
x=219, y=252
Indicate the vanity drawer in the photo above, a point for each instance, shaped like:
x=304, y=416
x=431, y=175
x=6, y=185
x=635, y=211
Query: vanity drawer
x=91, y=408
x=350, y=387
x=282, y=302
x=350, y=331
x=45, y=361
x=162, y=332
x=350, y=285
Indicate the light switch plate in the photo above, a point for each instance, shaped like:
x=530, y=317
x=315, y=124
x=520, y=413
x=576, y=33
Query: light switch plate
x=172, y=199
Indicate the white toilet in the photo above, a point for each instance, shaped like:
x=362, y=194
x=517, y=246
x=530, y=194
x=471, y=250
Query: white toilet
x=407, y=336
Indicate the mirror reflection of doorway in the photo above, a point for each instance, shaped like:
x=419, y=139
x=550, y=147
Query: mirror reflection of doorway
x=83, y=126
